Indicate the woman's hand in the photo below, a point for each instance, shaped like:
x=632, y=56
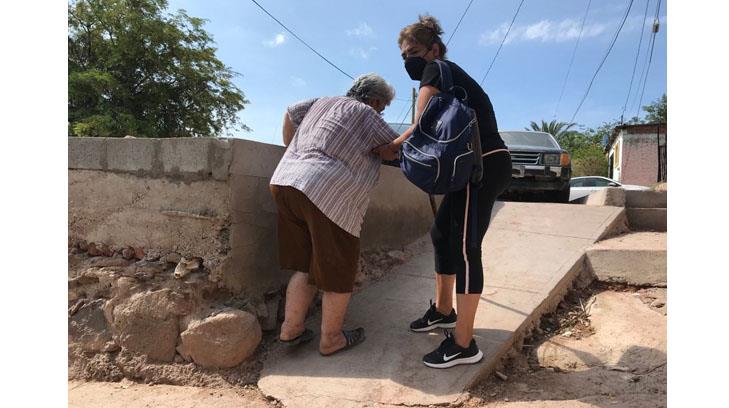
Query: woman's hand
x=390, y=151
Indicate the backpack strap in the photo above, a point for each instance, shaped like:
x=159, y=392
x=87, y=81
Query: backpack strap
x=446, y=78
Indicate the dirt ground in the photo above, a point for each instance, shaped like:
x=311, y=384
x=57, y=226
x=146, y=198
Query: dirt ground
x=605, y=346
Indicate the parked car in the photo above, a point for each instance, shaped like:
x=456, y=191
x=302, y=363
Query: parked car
x=539, y=165
x=585, y=185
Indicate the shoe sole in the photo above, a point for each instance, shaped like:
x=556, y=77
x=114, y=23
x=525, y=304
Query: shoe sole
x=435, y=326
x=468, y=360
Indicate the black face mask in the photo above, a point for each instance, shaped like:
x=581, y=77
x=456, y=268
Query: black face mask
x=415, y=67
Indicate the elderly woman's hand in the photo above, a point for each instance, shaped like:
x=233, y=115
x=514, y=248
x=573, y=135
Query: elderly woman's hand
x=388, y=151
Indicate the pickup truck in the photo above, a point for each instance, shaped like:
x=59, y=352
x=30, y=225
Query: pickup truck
x=539, y=165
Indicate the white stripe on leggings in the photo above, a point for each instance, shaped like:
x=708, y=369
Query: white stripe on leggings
x=465, y=229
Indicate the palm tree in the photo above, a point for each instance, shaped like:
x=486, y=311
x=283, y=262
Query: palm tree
x=554, y=128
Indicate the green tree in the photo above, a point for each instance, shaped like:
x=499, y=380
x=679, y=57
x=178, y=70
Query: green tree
x=657, y=112
x=554, y=127
x=135, y=69
x=589, y=160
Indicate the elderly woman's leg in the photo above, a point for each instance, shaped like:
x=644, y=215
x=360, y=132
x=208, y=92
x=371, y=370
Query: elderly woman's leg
x=299, y=295
x=334, y=307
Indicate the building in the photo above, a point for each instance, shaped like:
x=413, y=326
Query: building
x=637, y=154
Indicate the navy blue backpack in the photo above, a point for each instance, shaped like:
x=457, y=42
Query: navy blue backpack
x=443, y=154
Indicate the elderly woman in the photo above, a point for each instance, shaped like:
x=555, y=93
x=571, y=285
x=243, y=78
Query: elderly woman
x=321, y=188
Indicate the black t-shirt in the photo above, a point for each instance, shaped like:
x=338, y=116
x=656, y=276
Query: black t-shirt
x=477, y=100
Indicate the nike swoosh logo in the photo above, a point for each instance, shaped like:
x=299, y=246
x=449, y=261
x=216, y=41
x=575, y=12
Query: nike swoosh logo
x=448, y=358
x=434, y=321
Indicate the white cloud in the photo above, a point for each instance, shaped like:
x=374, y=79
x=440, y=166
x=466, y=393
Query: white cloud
x=279, y=39
x=544, y=31
x=362, y=30
x=297, y=82
x=361, y=52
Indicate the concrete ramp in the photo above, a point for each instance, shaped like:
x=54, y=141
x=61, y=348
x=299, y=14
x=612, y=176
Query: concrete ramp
x=532, y=252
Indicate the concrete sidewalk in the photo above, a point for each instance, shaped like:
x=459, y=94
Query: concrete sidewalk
x=532, y=252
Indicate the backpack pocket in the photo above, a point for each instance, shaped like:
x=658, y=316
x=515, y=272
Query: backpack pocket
x=421, y=168
x=461, y=173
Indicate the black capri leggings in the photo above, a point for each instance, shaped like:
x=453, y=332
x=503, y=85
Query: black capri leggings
x=454, y=254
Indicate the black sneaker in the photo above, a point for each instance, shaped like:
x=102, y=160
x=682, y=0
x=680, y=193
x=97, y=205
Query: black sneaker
x=434, y=319
x=450, y=354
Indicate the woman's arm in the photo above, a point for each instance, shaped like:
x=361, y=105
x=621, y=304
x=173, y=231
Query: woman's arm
x=288, y=129
x=391, y=151
x=424, y=96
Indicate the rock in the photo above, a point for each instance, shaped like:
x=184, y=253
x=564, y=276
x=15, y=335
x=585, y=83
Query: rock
x=631, y=378
x=151, y=255
x=172, y=257
x=99, y=249
x=360, y=276
x=618, y=368
x=397, y=255
x=73, y=309
x=83, y=245
x=138, y=252
x=123, y=286
x=185, y=266
x=147, y=269
x=221, y=341
x=93, y=250
x=501, y=375
x=269, y=319
x=147, y=323
x=88, y=327
x=111, y=347
x=108, y=262
x=104, y=262
x=128, y=253
x=92, y=283
x=658, y=303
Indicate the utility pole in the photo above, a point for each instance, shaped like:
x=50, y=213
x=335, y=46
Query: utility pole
x=412, y=106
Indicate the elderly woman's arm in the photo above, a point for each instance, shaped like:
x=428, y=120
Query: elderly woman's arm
x=288, y=129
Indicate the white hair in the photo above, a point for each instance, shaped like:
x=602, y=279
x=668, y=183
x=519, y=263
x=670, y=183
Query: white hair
x=371, y=86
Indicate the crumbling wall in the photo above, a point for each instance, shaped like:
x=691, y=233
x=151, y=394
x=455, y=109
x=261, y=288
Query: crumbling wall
x=173, y=243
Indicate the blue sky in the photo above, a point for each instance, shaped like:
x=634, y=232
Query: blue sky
x=361, y=36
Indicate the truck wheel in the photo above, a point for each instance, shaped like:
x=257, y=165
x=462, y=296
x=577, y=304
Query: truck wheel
x=561, y=196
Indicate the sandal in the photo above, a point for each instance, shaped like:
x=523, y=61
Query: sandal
x=304, y=337
x=353, y=337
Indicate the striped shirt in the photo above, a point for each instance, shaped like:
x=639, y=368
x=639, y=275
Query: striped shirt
x=330, y=157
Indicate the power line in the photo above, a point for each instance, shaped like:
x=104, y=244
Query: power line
x=502, y=43
x=650, y=58
x=617, y=33
x=635, y=64
x=302, y=41
x=447, y=42
x=572, y=59
x=408, y=105
x=459, y=22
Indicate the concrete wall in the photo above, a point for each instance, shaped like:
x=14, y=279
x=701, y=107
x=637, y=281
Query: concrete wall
x=210, y=198
x=639, y=157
